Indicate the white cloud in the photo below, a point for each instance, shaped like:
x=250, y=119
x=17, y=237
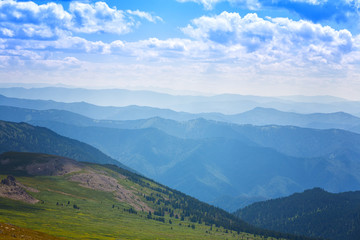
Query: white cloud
x=265, y=43
x=77, y=44
x=35, y=32
x=312, y=2
x=210, y=4
x=31, y=13
x=58, y=64
x=47, y=21
x=273, y=39
x=65, y=44
x=5, y=32
x=145, y=15
x=29, y=20
x=341, y=10
x=98, y=17
x=226, y=37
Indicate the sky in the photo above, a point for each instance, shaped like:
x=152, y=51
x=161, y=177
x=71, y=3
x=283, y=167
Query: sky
x=248, y=47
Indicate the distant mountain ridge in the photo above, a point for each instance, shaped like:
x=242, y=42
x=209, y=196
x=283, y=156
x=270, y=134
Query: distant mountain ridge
x=267, y=116
x=131, y=112
x=257, y=116
x=224, y=103
x=314, y=213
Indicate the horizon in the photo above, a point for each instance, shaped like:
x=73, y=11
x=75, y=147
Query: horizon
x=166, y=91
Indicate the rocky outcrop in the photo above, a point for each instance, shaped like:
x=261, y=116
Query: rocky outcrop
x=9, y=188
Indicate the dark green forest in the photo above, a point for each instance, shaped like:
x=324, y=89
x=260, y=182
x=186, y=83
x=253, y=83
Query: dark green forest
x=23, y=137
x=314, y=213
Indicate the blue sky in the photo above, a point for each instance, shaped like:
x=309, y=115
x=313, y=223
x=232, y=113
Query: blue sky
x=257, y=47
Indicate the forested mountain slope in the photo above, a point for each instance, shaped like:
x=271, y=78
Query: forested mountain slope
x=314, y=212
x=27, y=138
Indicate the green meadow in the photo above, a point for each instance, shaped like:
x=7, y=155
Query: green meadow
x=71, y=211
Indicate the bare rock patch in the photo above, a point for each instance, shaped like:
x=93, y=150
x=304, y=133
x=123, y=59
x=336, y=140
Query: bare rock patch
x=11, y=189
x=100, y=182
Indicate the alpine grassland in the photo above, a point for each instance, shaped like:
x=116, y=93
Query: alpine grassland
x=80, y=204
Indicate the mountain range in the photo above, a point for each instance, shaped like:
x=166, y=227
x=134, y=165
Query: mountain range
x=225, y=164
x=261, y=150
x=225, y=103
x=258, y=116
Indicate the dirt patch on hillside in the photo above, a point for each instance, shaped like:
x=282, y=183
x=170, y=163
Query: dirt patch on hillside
x=5, y=161
x=9, y=188
x=95, y=181
x=98, y=181
x=27, y=188
x=56, y=166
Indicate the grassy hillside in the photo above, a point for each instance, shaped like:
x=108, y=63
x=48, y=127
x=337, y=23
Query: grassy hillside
x=90, y=201
x=315, y=213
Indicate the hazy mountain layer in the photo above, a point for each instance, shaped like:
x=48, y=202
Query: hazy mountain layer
x=257, y=116
x=226, y=103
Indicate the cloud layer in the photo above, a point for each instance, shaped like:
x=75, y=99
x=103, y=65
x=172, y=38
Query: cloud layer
x=314, y=10
x=210, y=4
x=49, y=21
x=31, y=31
x=274, y=39
x=49, y=39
